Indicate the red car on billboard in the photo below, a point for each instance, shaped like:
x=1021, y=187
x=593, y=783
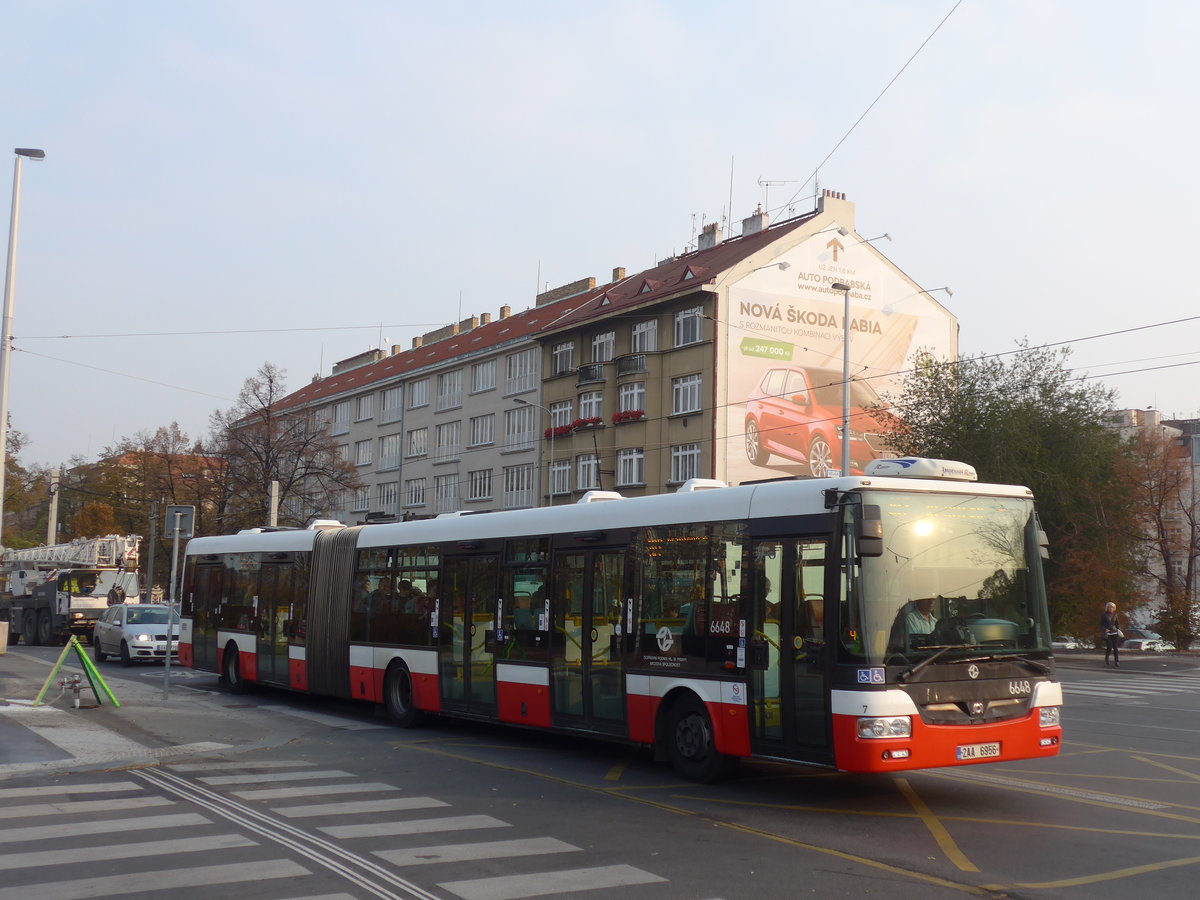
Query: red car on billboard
x=796, y=412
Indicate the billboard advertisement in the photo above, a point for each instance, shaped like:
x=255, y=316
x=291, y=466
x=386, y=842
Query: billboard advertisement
x=785, y=340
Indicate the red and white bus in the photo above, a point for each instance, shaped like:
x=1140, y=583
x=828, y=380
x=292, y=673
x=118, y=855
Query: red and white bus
x=872, y=623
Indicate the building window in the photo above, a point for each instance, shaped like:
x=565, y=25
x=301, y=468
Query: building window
x=386, y=497
x=591, y=404
x=562, y=358
x=338, y=503
x=417, y=443
x=520, y=372
x=632, y=396
x=587, y=472
x=631, y=467
x=362, y=499
x=483, y=376
x=560, y=477
x=685, y=394
x=688, y=328
x=362, y=453
x=418, y=393
x=560, y=414
x=483, y=430
x=391, y=405
x=414, y=492
x=518, y=486
x=390, y=447
x=341, y=417
x=602, y=347
x=449, y=395
x=685, y=462
x=479, y=485
x=365, y=408
x=645, y=337
x=446, y=441
x=520, y=428
x=445, y=493
x=343, y=453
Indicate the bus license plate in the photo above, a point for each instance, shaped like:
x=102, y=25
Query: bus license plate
x=978, y=751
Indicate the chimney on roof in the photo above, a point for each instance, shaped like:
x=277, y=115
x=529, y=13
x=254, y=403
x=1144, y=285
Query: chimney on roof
x=396, y=348
x=485, y=318
x=582, y=286
x=505, y=311
x=618, y=274
x=468, y=325
x=755, y=223
x=710, y=236
x=417, y=342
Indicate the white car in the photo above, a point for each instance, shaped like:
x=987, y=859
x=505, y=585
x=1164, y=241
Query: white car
x=1146, y=645
x=1065, y=643
x=134, y=631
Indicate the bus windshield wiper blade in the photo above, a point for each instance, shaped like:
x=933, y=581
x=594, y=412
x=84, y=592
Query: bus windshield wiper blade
x=942, y=648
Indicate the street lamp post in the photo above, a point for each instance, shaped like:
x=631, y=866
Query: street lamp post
x=845, y=289
x=10, y=275
x=550, y=462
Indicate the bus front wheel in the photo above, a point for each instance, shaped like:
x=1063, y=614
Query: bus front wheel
x=398, y=697
x=691, y=746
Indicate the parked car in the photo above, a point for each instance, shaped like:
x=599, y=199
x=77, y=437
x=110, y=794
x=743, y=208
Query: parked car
x=1066, y=643
x=1145, y=645
x=134, y=631
x=797, y=413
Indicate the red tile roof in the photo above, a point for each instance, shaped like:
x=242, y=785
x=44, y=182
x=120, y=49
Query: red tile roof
x=667, y=278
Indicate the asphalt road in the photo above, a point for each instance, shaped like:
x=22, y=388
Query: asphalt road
x=273, y=795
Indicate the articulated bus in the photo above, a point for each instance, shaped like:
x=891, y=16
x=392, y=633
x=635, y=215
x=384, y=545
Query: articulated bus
x=873, y=623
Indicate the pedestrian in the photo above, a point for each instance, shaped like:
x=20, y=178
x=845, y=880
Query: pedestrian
x=1110, y=631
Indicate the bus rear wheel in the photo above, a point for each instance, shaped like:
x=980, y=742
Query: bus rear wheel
x=231, y=670
x=691, y=746
x=398, y=697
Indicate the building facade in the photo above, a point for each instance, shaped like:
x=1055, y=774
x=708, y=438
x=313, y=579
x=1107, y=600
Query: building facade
x=723, y=363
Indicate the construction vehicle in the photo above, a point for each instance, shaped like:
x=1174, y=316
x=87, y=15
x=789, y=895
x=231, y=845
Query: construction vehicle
x=52, y=592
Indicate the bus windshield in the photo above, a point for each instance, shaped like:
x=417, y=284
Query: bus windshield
x=960, y=575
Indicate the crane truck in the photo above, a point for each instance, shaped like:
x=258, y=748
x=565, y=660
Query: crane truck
x=52, y=592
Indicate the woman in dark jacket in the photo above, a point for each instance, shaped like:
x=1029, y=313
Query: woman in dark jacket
x=1110, y=632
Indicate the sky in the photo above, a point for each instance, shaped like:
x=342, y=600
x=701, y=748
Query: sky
x=229, y=184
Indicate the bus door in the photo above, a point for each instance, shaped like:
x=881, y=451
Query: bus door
x=206, y=591
x=585, y=656
x=470, y=587
x=791, y=673
x=271, y=618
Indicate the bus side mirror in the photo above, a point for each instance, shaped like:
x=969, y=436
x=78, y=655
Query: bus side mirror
x=869, y=531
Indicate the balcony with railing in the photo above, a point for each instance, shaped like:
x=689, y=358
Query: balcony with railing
x=590, y=374
x=631, y=363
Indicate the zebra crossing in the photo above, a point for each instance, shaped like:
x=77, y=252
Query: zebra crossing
x=1131, y=686
x=278, y=829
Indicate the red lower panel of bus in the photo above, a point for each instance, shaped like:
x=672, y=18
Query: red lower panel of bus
x=185, y=655
x=248, y=665
x=939, y=745
x=731, y=723
x=366, y=684
x=525, y=704
x=426, y=692
x=298, y=674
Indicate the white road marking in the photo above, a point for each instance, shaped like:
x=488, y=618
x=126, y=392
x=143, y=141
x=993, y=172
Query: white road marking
x=278, y=776
x=81, y=807
x=160, y=881
x=414, y=826
x=63, y=830
x=352, y=807
x=315, y=790
x=123, y=850
x=543, y=883
x=419, y=856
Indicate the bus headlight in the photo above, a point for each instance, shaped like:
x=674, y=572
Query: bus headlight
x=887, y=727
x=1048, y=716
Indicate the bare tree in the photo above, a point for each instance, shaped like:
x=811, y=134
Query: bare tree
x=260, y=441
x=1160, y=476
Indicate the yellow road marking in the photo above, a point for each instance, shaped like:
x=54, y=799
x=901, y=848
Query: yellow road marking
x=1192, y=775
x=939, y=832
x=615, y=773
x=1117, y=874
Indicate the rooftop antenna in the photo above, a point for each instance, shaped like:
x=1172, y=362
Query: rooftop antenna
x=765, y=184
x=729, y=220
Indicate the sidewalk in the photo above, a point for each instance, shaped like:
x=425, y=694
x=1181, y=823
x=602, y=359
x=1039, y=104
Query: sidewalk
x=1136, y=662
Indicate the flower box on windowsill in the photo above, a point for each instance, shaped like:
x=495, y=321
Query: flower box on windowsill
x=627, y=415
x=588, y=423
